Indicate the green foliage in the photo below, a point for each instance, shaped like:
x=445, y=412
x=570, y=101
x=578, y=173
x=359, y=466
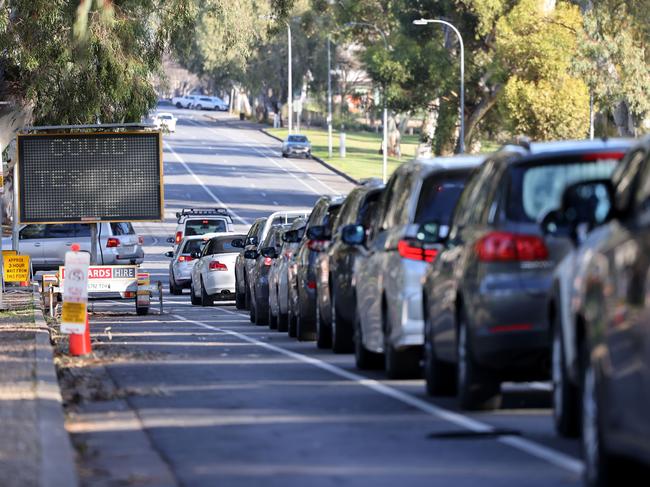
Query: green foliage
x=79, y=63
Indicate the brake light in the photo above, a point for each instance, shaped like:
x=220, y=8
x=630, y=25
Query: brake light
x=268, y=261
x=140, y=240
x=112, y=242
x=316, y=245
x=509, y=328
x=601, y=156
x=311, y=284
x=410, y=249
x=185, y=258
x=215, y=265
x=511, y=247
x=179, y=237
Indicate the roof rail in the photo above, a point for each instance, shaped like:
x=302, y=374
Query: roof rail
x=202, y=211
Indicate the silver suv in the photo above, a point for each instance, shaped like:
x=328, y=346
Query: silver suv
x=199, y=221
x=46, y=244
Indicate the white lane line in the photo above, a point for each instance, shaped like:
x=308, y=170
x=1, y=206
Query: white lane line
x=553, y=457
x=207, y=190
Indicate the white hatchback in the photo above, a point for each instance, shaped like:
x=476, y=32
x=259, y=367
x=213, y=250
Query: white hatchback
x=213, y=274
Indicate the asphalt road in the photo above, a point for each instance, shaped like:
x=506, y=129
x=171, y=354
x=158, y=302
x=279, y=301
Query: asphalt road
x=215, y=401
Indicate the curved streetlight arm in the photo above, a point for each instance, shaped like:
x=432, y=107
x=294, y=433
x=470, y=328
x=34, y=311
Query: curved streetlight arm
x=461, y=144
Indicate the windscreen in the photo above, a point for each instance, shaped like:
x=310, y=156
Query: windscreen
x=193, y=246
x=438, y=199
x=537, y=189
x=201, y=227
x=298, y=138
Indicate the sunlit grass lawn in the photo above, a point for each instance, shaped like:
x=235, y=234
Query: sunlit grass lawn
x=363, y=159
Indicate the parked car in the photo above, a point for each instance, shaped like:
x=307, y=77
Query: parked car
x=485, y=297
x=612, y=329
x=335, y=296
x=207, y=103
x=199, y=221
x=180, y=267
x=46, y=244
x=267, y=252
x=303, y=290
x=296, y=144
x=242, y=296
x=183, y=101
x=164, y=120
x=213, y=272
x=388, y=281
x=279, y=275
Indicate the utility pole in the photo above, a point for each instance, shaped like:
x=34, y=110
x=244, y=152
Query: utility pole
x=290, y=87
x=329, y=98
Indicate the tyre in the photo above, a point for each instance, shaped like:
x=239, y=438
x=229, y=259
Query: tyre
x=174, y=290
x=251, y=307
x=178, y=105
x=273, y=320
x=206, y=299
x=283, y=322
x=302, y=333
x=198, y=107
x=364, y=359
x=342, y=332
x=194, y=300
x=292, y=324
x=323, y=332
x=261, y=319
x=476, y=390
x=440, y=379
x=240, y=300
x=566, y=415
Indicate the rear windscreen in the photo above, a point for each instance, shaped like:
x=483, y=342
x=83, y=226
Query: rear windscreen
x=193, y=246
x=201, y=227
x=223, y=245
x=438, y=199
x=535, y=190
x=124, y=228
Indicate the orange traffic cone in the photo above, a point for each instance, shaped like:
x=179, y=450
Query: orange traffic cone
x=80, y=344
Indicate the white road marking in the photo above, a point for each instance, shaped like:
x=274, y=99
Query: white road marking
x=207, y=190
x=276, y=203
x=263, y=194
x=554, y=457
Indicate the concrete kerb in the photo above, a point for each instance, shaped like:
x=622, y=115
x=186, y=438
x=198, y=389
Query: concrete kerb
x=57, y=456
x=317, y=159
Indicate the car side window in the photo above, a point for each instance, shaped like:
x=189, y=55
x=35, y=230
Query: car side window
x=642, y=194
x=32, y=232
x=60, y=230
x=395, y=200
x=624, y=179
x=207, y=248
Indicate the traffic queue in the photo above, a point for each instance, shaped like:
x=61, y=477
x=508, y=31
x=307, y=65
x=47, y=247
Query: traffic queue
x=530, y=263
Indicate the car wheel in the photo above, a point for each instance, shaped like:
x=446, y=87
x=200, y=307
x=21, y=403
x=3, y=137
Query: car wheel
x=240, y=300
x=364, y=359
x=475, y=389
x=342, y=334
x=273, y=320
x=261, y=319
x=194, y=300
x=173, y=288
x=399, y=364
x=206, y=299
x=283, y=322
x=178, y=105
x=302, y=332
x=292, y=325
x=565, y=394
x=439, y=375
x=252, y=312
x=323, y=333
x=285, y=155
x=247, y=296
x=198, y=107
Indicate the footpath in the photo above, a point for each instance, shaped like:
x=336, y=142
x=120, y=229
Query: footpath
x=35, y=448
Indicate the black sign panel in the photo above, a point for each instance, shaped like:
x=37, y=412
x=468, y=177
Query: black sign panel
x=90, y=177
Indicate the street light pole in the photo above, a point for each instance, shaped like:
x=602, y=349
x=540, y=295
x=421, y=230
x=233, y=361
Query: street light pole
x=290, y=87
x=329, y=98
x=384, y=148
x=461, y=144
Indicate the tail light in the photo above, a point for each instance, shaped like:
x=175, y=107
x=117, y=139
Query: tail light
x=311, y=284
x=179, y=237
x=268, y=261
x=185, y=258
x=215, y=265
x=140, y=240
x=414, y=250
x=112, y=242
x=316, y=245
x=511, y=247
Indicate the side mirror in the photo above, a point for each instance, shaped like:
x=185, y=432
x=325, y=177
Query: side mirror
x=169, y=254
x=317, y=232
x=195, y=255
x=353, y=234
x=291, y=236
x=238, y=243
x=269, y=252
x=170, y=240
x=250, y=254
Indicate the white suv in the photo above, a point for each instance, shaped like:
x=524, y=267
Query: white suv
x=199, y=221
x=183, y=101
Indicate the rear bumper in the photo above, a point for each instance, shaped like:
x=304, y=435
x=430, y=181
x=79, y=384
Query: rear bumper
x=217, y=282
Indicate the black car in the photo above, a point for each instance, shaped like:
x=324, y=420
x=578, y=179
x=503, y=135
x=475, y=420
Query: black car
x=485, y=297
x=612, y=320
x=336, y=297
x=243, y=266
x=315, y=240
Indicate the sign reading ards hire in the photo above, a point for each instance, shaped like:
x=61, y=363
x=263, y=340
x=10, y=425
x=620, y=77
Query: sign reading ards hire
x=90, y=177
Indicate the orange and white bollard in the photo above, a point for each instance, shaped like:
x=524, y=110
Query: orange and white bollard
x=80, y=343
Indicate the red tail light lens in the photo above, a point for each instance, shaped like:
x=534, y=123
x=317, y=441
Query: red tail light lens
x=316, y=245
x=179, y=237
x=112, y=242
x=268, y=261
x=185, y=258
x=602, y=156
x=412, y=249
x=217, y=266
x=311, y=284
x=511, y=247
x=140, y=240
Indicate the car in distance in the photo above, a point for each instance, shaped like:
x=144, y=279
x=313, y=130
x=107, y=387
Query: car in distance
x=208, y=103
x=46, y=244
x=213, y=272
x=486, y=295
x=183, y=101
x=180, y=267
x=164, y=120
x=199, y=221
x=296, y=144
